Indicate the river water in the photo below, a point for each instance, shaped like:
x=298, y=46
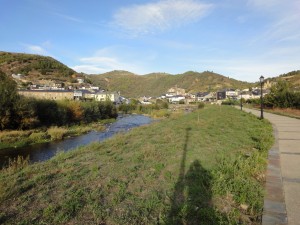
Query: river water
x=44, y=151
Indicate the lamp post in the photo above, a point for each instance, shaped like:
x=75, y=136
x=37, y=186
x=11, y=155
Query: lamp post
x=241, y=101
x=261, y=80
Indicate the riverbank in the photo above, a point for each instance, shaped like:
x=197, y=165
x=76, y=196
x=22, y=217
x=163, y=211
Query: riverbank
x=203, y=167
x=21, y=138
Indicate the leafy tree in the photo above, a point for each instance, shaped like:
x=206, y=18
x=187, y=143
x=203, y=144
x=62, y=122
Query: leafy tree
x=8, y=101
x=49, y=113
x=162, y=104
x=26, y=113
x=282, y=96
x=75, y=110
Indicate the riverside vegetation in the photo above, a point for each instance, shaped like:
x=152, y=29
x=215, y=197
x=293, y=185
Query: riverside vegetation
x=26, y=121
x=21, y=138
x=18, y=112
x=205, y=167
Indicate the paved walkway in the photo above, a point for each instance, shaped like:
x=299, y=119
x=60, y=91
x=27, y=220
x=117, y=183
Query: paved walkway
x=283, y=175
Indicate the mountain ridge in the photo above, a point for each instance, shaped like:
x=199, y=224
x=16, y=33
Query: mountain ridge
x=37, y=68
x=155, y=84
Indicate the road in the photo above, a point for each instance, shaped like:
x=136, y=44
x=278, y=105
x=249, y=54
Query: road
x=282, y=201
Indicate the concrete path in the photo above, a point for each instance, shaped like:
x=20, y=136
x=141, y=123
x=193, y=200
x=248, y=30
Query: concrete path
x=283, y=175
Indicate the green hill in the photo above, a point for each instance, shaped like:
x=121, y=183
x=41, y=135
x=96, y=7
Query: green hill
x=34, y=66
x=293, y=78
x=155, y=84
x=42, y=69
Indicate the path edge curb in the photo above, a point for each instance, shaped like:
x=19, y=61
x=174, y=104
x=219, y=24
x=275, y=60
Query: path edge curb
x=274, y=211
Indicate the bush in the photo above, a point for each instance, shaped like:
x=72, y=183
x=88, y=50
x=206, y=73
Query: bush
x=38, y=137
x=162, y=113
x=201, y=105
x=230, y=102
x=57, y=133
x=282, y=96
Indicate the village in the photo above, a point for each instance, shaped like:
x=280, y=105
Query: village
x=84, y=91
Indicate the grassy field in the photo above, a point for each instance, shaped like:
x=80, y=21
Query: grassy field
x=206, y=167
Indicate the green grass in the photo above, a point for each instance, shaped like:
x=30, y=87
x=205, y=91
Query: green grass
x=205, y=167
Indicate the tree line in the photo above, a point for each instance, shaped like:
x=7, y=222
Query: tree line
x=281, y=96
x=18, y=112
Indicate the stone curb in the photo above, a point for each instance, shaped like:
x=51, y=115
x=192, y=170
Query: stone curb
x=274, y=212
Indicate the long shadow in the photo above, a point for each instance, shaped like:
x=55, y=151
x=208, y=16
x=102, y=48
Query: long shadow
x=191, y=201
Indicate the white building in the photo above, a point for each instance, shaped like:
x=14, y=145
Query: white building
x=176, y=98
x=108, y=96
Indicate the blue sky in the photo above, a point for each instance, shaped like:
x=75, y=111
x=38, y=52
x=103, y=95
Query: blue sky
x=242, y=39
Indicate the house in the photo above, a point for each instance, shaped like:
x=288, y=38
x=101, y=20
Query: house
x=108, y=96
x=221, y=95
x=209, y=97
x=201, y=96
x=78, y=95
x=48, y=94
x=80, y=80
x=176, y=99
x=94, y=88
x=227, y=94
x=175, y=91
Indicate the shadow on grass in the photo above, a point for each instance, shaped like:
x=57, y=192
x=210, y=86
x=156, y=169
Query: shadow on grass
x=191, y=201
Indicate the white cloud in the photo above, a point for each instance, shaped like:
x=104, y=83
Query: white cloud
x=285, y=19
x=159, y=16
x=35, y=49
x=108, y=59
x=265, y=4
x=70, y=18
x=89, y=69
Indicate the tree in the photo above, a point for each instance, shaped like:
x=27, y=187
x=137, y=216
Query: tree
x=26, y=113
x=8, y=101
x=282, y=96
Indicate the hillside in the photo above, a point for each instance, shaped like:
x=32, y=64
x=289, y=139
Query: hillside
x=44, y=70
x=34, y=67
x=293, y=78
x=155, y=84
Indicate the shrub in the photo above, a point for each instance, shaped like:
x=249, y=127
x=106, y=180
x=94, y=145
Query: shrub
x=38, y=137
x=201, y=105
x=230, y=102
x=162, y=113
x=57, y=133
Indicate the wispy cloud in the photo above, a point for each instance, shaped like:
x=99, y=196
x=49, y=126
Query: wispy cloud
x=248, y=69
x=35, y=49
x=285, y=18
x=265, y=4
x=70, y=18
x=160, y=16
x=108, y=59
x=89, y=69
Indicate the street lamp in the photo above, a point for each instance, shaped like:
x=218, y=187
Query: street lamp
x=241, y=100
x=261, y=80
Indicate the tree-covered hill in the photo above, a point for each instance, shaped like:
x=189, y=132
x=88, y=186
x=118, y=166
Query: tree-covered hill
x=34, y=66
x=293, y=78
x=42, y=69
x=155, y=84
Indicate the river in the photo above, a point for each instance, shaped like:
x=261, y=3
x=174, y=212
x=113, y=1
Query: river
x=44, y=151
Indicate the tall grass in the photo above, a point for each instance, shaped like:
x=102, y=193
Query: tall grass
x=205, y=167
x=57, y=133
